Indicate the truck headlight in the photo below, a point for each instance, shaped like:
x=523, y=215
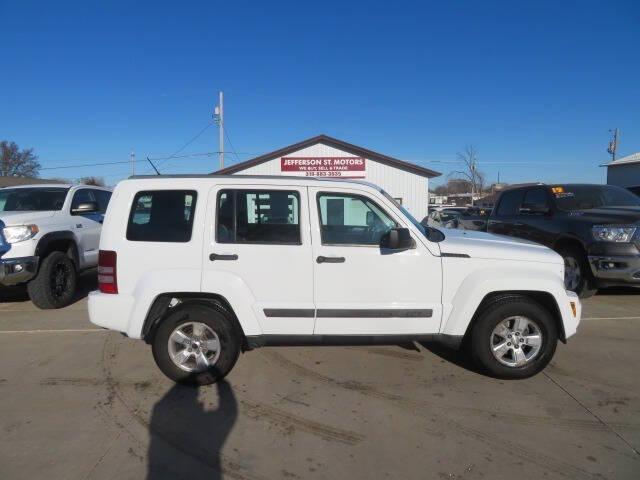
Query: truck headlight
x=19, y=233
x=613, y=234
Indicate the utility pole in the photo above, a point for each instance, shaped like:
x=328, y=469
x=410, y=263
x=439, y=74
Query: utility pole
x=132, y=159
x=218, y=115
x=613, y=144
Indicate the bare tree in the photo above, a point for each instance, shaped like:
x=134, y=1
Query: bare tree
x=96, y=181
x=470, y=172
x=17, y=163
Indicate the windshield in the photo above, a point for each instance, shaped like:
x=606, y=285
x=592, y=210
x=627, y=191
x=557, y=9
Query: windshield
x=584, y=197
x=32, y=199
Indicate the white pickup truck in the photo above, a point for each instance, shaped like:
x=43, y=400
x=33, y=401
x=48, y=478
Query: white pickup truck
x=204, y=267
x=48, y=233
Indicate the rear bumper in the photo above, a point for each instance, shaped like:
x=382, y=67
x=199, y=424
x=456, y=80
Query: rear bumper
x=14, y=271
x=616, y=269
x=111, y=311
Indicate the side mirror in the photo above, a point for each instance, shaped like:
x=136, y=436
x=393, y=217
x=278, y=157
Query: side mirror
x=534, y=209
x=397, y=239
x=84, y=208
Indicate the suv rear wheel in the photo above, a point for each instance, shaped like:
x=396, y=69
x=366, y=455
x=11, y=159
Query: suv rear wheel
x=514, y=337
x=577, y=272
x=196, y=344
x=55, y=284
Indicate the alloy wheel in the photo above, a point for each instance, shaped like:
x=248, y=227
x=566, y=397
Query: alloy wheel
x=194, y=347
x=516, y=341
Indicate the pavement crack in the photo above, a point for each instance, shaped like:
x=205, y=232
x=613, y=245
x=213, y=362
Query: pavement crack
x=593, y=414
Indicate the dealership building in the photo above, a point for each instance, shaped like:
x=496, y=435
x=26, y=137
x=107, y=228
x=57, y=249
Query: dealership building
x=327, y=157
x=625, y=172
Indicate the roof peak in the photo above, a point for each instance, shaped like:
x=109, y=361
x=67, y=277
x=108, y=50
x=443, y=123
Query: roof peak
x=341, y=145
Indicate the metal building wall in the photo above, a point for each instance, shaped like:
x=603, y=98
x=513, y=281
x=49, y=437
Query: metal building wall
x=624, y=175
x=412, y=188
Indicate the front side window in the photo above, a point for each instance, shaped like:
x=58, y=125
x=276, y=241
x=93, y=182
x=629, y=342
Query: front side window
x=162, y=216
x=347, y=219
x=102, y=197
x=82, y=196
x=258, y=216
x=536, y=196
x=32, y=199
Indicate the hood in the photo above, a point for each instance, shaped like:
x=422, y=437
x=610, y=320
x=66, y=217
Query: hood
x=20, y=218
x=496, y=247
x=608, y=215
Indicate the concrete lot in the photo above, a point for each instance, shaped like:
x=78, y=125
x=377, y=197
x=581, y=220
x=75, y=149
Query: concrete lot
x=81, y=403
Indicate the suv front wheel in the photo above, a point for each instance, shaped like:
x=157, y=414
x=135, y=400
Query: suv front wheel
x=55, y=284
x=514, y=337
x=196, y=344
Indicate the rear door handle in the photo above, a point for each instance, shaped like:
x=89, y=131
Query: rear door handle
x=322, y=259
x=217, y=256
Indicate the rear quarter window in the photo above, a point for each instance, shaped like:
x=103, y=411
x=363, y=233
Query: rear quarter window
x=162, y=216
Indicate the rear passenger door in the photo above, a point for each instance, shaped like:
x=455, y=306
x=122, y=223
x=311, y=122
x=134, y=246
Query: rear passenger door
x=258, y=239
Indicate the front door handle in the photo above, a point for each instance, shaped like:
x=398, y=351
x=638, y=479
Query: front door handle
x=322, y=259
x=217, y=256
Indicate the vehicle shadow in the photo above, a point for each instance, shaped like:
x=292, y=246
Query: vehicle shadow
x=458, y=357
x=87, y=282
x=187, y=435
x=618, y=291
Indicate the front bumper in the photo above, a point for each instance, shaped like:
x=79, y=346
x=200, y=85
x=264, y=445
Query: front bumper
x=17, y=270
x=622, y=269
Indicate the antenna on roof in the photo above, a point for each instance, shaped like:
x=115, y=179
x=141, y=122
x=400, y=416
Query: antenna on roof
x=154, y=167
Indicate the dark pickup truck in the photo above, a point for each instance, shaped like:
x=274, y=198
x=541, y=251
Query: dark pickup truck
x=596, y=229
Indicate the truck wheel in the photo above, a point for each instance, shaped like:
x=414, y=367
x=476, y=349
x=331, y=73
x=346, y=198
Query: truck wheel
x=515, y=338
x=577, y=272
x=55, y=284
x=196, y=344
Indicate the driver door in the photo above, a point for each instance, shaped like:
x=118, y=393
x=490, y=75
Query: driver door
x=359, y=288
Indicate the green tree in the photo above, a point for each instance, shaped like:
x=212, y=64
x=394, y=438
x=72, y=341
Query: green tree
x=17, y=163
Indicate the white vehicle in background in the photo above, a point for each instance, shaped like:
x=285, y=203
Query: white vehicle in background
x=204, y=267
x=49, y=233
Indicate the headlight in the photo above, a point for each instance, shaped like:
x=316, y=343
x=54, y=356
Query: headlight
x=19, y=233
x=613, y=234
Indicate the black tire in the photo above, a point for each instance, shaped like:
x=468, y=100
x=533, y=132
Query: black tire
x=55, y=284
x=218, y=321
x=500, y=310
x=585, y=286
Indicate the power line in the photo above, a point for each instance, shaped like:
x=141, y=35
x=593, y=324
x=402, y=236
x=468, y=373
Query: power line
x=233, y=150
x=189, y=142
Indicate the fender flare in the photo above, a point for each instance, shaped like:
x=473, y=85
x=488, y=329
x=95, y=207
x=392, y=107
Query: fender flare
x=51, y=237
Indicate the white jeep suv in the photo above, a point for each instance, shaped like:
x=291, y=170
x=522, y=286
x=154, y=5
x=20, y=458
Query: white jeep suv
x=204, y=267
x=48, y=233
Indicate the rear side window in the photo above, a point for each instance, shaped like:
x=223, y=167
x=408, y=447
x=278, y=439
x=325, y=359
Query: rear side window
x=162, y=216
x=258, y=216
x=510, y=203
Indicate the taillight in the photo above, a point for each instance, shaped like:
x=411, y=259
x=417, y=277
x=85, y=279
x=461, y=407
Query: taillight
x=107, y=271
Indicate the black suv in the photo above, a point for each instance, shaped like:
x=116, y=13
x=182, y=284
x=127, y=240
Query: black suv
x=596, y=229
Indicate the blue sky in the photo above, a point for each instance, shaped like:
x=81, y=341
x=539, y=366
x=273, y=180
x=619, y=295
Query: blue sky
x=534, y=86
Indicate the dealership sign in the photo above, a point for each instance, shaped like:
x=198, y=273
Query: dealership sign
x=346, y=167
